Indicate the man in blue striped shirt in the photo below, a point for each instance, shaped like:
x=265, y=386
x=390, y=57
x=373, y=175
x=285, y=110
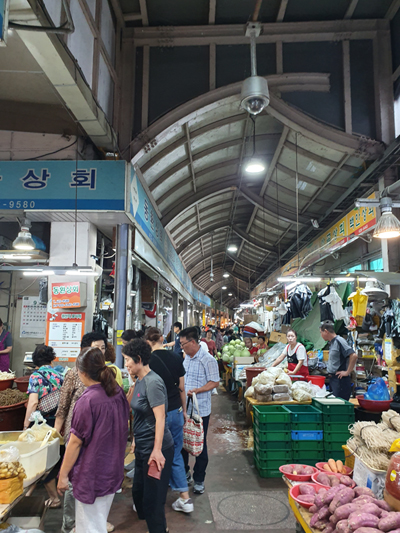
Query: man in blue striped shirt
x=201, y=378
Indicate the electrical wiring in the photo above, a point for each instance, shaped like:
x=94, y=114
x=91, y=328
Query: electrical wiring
x=26, y=288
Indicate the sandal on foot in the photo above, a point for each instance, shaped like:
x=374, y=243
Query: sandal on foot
x=53, y=504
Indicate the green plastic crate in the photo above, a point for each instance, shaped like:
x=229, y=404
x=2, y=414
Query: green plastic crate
x=337, y=436
x=304, y=413
x=275, y=426
x=271, y=414
x=343, y=408
x=265, y=472
x=344, y=419
x=272, y=445
x=304, y=455
x=268, y=464
x=308, y=445
x=333, y=446
x=285, y=456
x=335, y=427
x=307, y=426
x=275, y=436
x=334, y=455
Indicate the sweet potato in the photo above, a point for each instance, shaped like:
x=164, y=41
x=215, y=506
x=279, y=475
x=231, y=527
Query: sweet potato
x=342, y=526
x=362, y=500
x=332, y=465
x=389, y=522
x=395, y=531
x=343, y=512
x=358, y=519
x=313, y=509
x=343, y=496
x=334, y=481
x=384, y=513
x=309, y=470
x=324, y=479
x=306, y=489
x=287, y=469
x=314, y=520
x=346, y=480
x=325, y=498
x=367, y=530
x=329, y=528
x=306, y=498
x=363, y=491
x=383, y=505
x=339, y=465
x=371, y=508
x=321, y=524
x=324, y=513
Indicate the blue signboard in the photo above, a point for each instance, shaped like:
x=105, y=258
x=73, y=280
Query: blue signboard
x=147, y=218
x=55, y=185
x=3, y=20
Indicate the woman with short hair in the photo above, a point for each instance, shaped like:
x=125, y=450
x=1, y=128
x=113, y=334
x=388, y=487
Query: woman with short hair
x=94, y=459
x=153, y=444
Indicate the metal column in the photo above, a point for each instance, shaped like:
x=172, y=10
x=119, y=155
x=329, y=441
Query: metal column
x=121, y=282
x=175, y=304
x=185, y=314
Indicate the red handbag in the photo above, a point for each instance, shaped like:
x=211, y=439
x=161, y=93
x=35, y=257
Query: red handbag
x=193, y=432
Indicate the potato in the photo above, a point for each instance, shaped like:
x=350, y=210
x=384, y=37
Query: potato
x=287, y=469
x=362, y=500
x=323, y=479
x=306, y=498
x=359, y=519
x=346, y=480
x=344, y=512
x=325, y=498
x=371, y=508
x=367, y=530
x=329, y=528
x=323, y=513
x=345, y=495
x=321, y=524
x=309, y=470
x=334, y=481
x=363, y=491
x=342, y=526
x=306, y=489
x=390, y=522
x=313, y=509
x=383, y=505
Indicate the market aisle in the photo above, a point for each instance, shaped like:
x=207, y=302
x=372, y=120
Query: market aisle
x=235, y=498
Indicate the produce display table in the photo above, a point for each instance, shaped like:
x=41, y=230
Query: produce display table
x=251, y=401
x=302, y=516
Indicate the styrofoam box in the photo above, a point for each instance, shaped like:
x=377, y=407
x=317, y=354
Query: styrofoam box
x=33, y=458
x=365, y=476
x=330, y=401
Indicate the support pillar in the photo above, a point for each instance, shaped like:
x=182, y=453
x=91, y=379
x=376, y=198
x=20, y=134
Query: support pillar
x=185, y=314
x=175, y=303
x=121, y=285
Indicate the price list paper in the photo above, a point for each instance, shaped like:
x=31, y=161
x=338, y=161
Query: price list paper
x=33, y=318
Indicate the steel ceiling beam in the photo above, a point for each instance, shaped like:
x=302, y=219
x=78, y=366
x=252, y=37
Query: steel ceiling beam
x=319, y=159
x=282, y=10
x=351, y=9
x=311, y=181
x=234, y=259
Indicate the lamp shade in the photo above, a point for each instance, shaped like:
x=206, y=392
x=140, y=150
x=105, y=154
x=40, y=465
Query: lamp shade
x=24, y=241
x=388, y=226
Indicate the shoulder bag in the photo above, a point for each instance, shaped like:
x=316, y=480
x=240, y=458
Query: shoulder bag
x=193, y=432
x=48, y=404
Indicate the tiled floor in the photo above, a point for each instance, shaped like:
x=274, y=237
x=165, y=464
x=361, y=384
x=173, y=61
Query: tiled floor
x=235, y=498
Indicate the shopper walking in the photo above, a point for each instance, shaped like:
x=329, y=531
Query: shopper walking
x=219, y=340
x=212, y=349
x=201, y=378
x=177, y=343
x=169, y=366
x=94, y=458
x=296, y=356
x=5, y=348
x=153, y=444
x=341, y=362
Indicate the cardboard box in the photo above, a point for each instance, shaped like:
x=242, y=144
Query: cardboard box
x=250, y=318
x=390, y=354
x=278, y=337
x=285, y=328
x=325, y=354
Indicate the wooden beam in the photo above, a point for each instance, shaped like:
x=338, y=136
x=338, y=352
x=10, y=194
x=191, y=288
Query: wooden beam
x=279, y=57
x=383, y=88
x=347, y=87
x=392, y=11
x=282, y=11
x=118, y=12
x=143, y=11
x=351, y=9
x=145, y=87
x=130, y=17
x=211, y=11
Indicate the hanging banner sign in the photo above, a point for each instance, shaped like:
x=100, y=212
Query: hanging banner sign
x=66, y=295
x=64, y=334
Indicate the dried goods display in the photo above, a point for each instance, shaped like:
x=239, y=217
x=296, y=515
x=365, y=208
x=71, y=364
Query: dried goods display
x=14, y=469
x=11, y=397
x=7, y=375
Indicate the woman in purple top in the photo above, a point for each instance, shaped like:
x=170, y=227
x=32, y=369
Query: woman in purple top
x=94, y=459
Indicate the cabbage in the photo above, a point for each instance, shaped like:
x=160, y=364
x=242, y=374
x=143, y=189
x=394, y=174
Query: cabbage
x=246, y=353
x=219, y=354
x=238, y=341
x=225, y=358
x=232, y=349
x=261, y=351
x=232, y=343
x=242, y=344
x=237, y=353
x=231, y=359
x=225, y=349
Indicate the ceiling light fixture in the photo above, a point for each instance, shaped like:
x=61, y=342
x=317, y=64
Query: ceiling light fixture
x=232, y=248
x=300, y=280
x=24, y=239
x=224, y=288
x=225, y=275
x=254, y=165
x=388, y=226
x=230, y=294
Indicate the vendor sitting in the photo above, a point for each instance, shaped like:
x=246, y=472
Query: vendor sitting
x=249, y=345
x=261, y=348
x=296, y=356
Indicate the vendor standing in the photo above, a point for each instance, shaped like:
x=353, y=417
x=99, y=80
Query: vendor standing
x=296, y=356
x=341, y=362
x=5, y=348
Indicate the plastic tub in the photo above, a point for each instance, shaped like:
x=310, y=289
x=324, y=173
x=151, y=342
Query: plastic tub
x=53, y=453
x=22, y=383
x=295, y=477
x=6, y=383
x=307, y=435
x=375, y=406
x=333, y=406
x=314, y=478
x=9, y=436
x=33, y=458
x=317, y=380
x=308, y=446
x=295, y=492
x=304, y=413
x=337, y=436
x=276, y=436
x=12, y=416
x=252, y=372
x=320, y=466
x=271, y=414
x=272, y=445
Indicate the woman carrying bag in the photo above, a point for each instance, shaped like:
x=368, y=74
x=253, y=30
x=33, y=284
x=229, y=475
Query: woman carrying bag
x=153, y=444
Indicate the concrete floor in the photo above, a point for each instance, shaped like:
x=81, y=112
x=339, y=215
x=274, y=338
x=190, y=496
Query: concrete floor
x=235, y=497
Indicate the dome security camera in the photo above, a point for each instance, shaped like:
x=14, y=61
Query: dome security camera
x=255, y=95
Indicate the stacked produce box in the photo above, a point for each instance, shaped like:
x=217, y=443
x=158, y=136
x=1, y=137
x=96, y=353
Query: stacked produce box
x=272, y=439
x=337, y=414
x=306, y=434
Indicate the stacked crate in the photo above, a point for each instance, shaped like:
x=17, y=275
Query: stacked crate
x=337, y=415
x=306, y=434
x=272, y=442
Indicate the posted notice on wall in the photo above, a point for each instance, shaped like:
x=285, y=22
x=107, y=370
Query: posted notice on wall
x=64, y=334
x=33, y=318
